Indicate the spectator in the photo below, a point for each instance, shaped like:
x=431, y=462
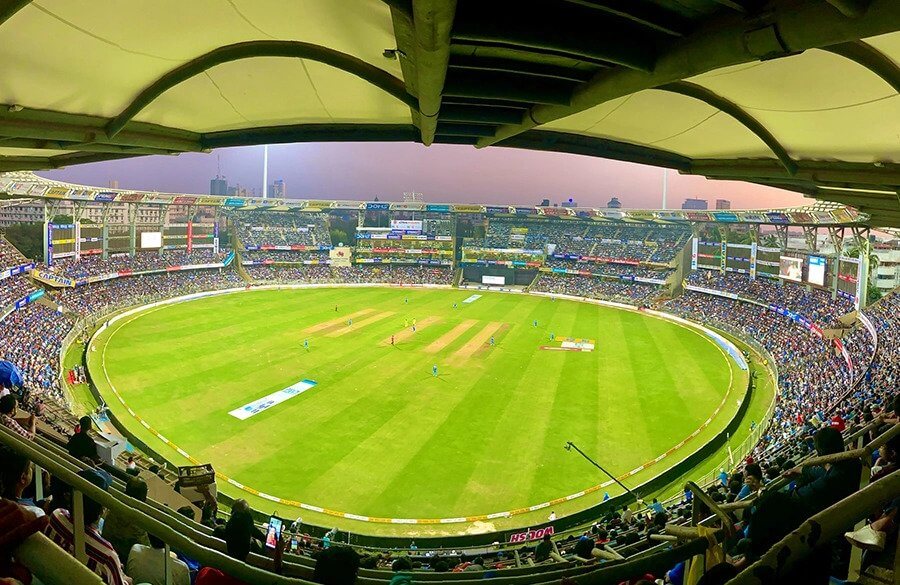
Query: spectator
x=8, y=412
x=81, y=445
x=241, y=532
x=16, y=474
x=401, y=568
x=822, y=486
x=102, y=557
x=147, y=564
x=121, y=532
x=336, y=565
x=547, y=550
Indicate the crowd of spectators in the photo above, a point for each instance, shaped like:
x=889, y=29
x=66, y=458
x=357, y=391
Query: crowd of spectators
x=284, y=256
x=95, y=265
x=282, y=228
x=632, y=242
x=813, y=303
x=632, y=293
x=356, y=274
x=108, y=295
x=31, y=339
x=14, y=288
x=10, y=255
x=611, y=268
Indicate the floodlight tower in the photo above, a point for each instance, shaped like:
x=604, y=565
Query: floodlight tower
x=665, y=186
x=265, y=191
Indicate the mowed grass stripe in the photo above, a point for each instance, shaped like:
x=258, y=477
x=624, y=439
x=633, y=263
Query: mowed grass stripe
x=450, y=336
x=407, y=332
x=477, y=342
x=350, y=328
x=336, y=322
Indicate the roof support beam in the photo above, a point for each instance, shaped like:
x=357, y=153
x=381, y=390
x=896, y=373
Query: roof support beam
x=834, y=174
x=312, y=133
x=720, y=103
x=850, y=8
x=480, y=84
x=786, y=29
x=8, y=8
x=250, y=49
x=670, y=23
x=572, y=31
x=538, y=71
x=479, y=115
x=869, y=57
x=432, y=22
x=80, y=146
x=76, y=128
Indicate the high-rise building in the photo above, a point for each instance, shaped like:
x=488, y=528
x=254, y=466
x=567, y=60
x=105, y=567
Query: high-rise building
x=569, y=203
x=723, y=204
x=278, y=189
x=545, y=203
x=218, y=186
x=614, y=203
x=695, y=204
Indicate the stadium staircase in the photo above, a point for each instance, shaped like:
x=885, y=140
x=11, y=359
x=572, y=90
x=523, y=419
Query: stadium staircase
x=239, y=257
x=457, y=277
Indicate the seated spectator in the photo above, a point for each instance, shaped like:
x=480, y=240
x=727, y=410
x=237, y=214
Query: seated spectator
x=586, y=550
x=821, y=486
x=81, y=444
x=401, y=568
x=16, y=474
x=753, y=481
x=547, y=550
x=192, y=564
x=241, y=532
x=16, y=524
x=102, y=557
x=122, y=533
x=146, y=564
x=8, y=417
x=336, y=565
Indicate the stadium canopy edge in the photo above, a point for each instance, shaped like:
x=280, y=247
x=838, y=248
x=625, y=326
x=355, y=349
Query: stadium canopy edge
x=796, y=94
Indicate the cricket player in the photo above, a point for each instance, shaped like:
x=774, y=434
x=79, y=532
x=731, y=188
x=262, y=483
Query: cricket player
x=492, y=341
x=434, y=370
x=392, y=340
x=534, y=324
x=306, y=344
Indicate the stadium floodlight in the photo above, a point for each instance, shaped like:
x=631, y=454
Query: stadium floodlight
x=570, y=445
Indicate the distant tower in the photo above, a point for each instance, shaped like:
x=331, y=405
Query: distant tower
x=218, y=186
x=614, y=203
x=695, y=204
x=278, y=188
x=723, y=204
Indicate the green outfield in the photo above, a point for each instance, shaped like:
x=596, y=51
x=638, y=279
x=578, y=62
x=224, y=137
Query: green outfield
x=379, y=435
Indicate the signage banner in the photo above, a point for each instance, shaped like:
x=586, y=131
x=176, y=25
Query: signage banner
x=274, y=399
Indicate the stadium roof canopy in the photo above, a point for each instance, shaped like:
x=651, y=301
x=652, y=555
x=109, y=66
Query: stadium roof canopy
x=799, y=94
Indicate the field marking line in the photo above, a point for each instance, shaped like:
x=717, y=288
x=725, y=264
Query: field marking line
x=336, y=322
x=407, y=332
x=449, y=337
x=478, y=341
x=367, y=321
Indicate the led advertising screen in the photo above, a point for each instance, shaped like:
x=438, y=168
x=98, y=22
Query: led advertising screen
x=816, y=270
x=151, y=240
x=500, y=280
x=409, y=225
x=790, y=268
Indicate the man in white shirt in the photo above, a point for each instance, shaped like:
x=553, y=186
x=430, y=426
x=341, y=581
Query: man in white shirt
x=146, y=564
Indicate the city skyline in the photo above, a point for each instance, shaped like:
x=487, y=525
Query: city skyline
x=442, y=173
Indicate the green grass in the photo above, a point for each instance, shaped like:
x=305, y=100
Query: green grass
x=378, y=435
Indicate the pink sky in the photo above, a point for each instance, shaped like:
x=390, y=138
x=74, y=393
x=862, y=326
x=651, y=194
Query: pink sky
x=442, y=173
